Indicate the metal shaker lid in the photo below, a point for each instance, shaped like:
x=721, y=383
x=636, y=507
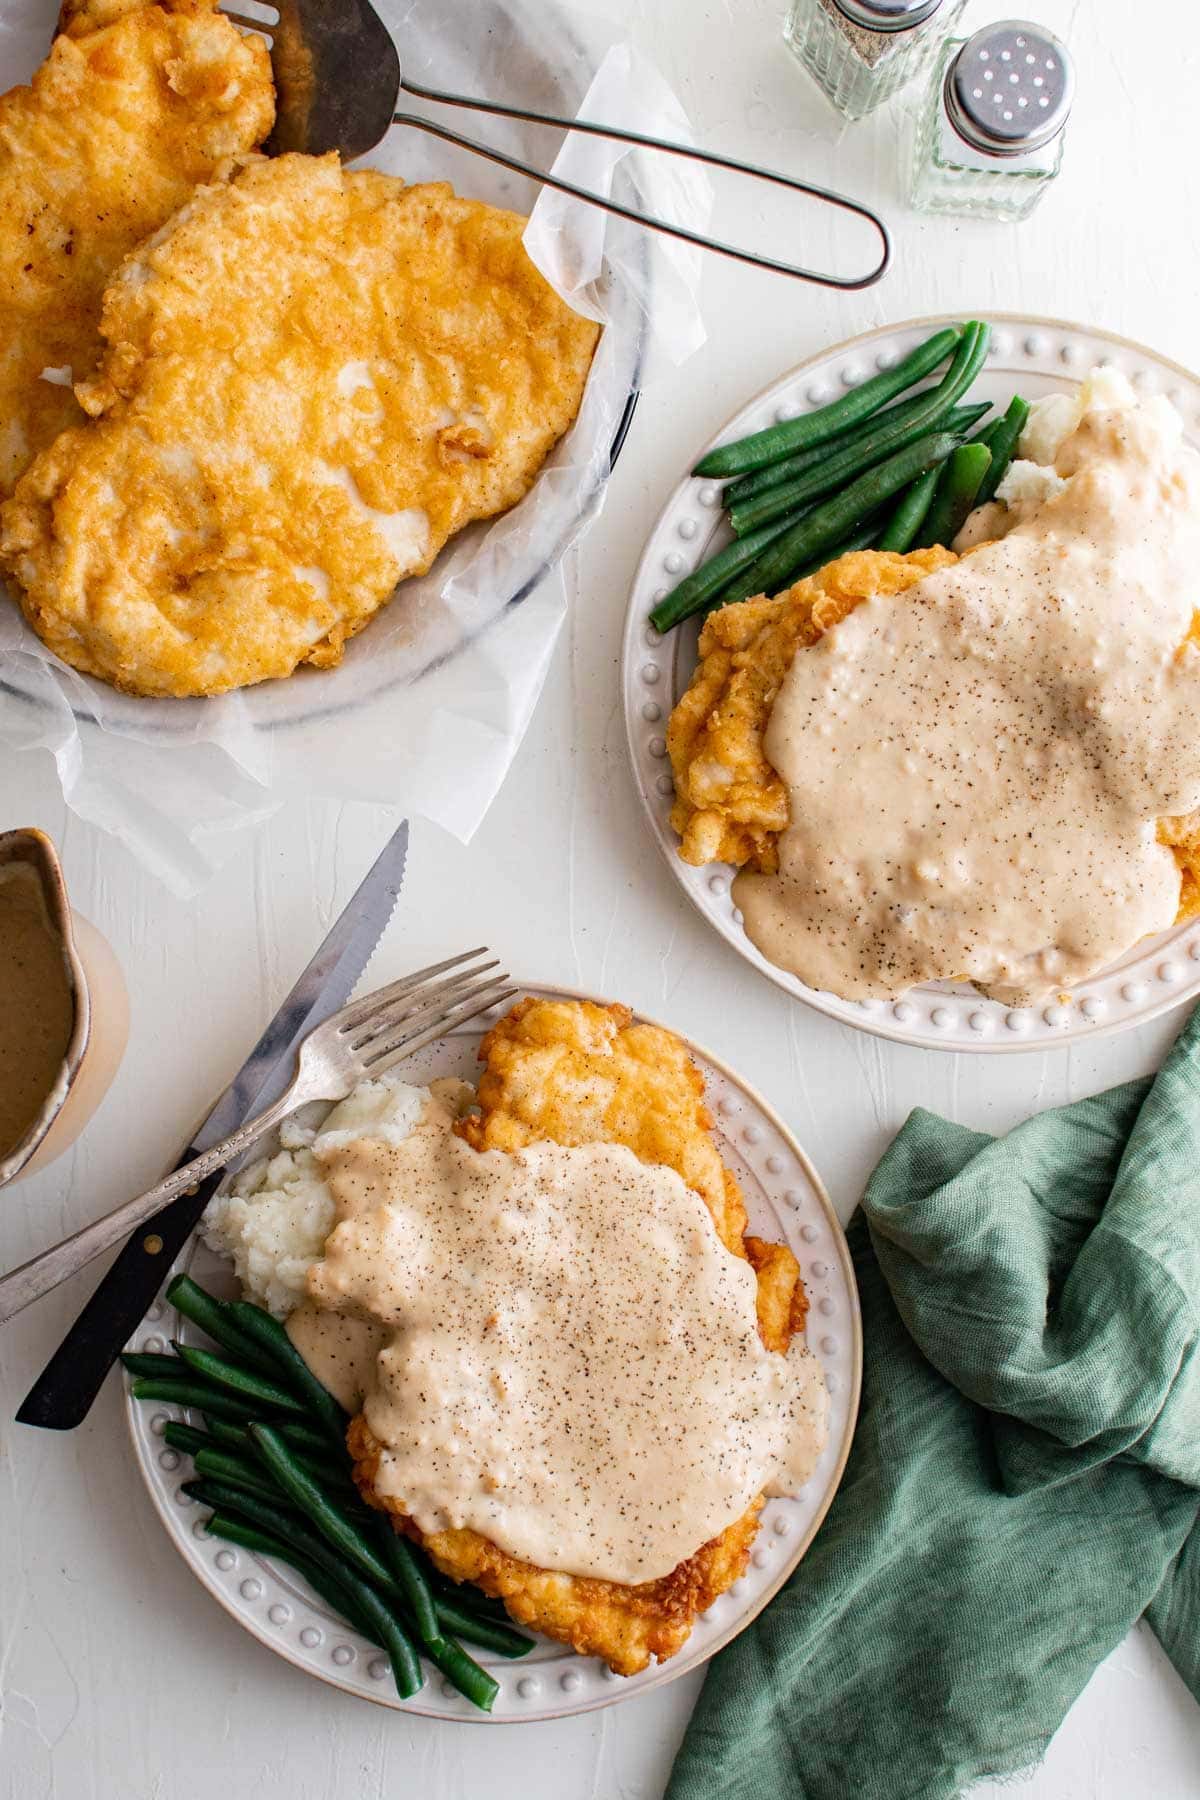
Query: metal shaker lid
x=1010, y=88
x=887, y=15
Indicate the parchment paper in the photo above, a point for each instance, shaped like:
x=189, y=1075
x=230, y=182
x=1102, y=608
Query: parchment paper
x=431, y=701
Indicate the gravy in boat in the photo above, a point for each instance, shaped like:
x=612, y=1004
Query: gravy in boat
x=37, y=1004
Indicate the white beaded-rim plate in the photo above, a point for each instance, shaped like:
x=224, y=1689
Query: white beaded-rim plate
x=786, y=1203
x=1029, y=356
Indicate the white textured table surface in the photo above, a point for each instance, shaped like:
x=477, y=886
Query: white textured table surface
x=121, y=1678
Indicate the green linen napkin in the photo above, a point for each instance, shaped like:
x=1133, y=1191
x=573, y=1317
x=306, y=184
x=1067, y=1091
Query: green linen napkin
x=1025, y=1478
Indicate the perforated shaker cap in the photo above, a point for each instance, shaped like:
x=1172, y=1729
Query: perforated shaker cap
x=1010, y=88
x=887, y=15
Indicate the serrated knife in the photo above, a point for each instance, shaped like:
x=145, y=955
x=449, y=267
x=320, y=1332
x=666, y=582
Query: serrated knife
x=63, y=1393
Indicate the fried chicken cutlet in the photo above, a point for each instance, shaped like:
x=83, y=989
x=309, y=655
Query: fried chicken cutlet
x=134, y=105
x=730, y=805
x=312, y=379
x=574, y=1072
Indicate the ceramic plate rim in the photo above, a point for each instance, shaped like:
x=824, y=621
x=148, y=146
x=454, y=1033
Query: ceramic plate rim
x=658, y=1675
x=888, y=1028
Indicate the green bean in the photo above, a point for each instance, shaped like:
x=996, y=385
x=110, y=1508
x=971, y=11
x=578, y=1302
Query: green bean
x=987, y=433
x=270, y=1335
x=201, y=1395
x=237, y=1531
x=306, y=1494
x=909, y=512
x=312, y=1440
x=862, y=539
x=307, y=1439
x=273, y=1515
x=147, y=1362
x=836, y=471
x=466, y=1674
x=237, y=1379
x=400, y=1558
x=384, y=1628
x=263, y=1543
x=230, y=1436
x=223, y=1465
x=1003, y=447
x=226, y=1418
x=252, y=1501
x=274, y=1512
x=378, y=1628
x=335, y=1596
x=969, y=358
x=469, y=1597
x=729, y=578
x=402, y=1652
x=957, y=488
x=187, y=1438
x=333, y=1477
x=814, y=535
x=775, y=474
x=909, y=515
x=453, y=1661
x=487, y=1633
x=818, y=427
x=341, y=1491
x=215, y=1317
x=706, y=581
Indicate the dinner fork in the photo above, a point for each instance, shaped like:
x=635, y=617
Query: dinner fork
x=362, y=1041
x=338, y=77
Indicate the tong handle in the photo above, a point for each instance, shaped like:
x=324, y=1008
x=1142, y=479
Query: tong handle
x=711, y=158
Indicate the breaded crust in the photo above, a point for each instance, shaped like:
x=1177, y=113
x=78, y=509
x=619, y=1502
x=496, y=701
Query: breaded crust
x=730, y=805
x=312, y=379
x=575, y=1072
x=134, y=105
x=625, y=1626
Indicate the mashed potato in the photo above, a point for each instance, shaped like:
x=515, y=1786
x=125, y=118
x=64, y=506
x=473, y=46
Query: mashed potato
x=274, y=1219
x=1031, y=478
x=1054, y=417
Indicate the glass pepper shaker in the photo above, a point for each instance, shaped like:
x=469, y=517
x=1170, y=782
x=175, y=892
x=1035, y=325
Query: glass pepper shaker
x=861, y=52
x=990, y=132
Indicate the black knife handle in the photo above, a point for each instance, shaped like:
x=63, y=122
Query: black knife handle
x=63, y=1393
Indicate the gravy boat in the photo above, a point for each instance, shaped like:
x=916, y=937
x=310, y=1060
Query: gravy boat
x=101, y=1014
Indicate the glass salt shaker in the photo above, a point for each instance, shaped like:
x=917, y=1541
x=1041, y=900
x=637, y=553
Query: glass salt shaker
x=861, y=52
x=989, y=136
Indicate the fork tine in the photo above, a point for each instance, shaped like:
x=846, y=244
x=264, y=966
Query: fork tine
x=355, y=1011
x=389, y=1056
x=259, y=25
x=418, y=1002
x=412, y=1017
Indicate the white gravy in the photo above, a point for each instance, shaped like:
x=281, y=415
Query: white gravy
x=338, y=1348
x=975, y=769
x=570, y=1363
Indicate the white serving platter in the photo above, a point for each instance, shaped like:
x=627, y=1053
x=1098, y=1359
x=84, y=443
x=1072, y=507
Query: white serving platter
x=1030, y=356
x=786, y=1203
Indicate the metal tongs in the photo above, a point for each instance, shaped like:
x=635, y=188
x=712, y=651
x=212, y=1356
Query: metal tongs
x=338, y=78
